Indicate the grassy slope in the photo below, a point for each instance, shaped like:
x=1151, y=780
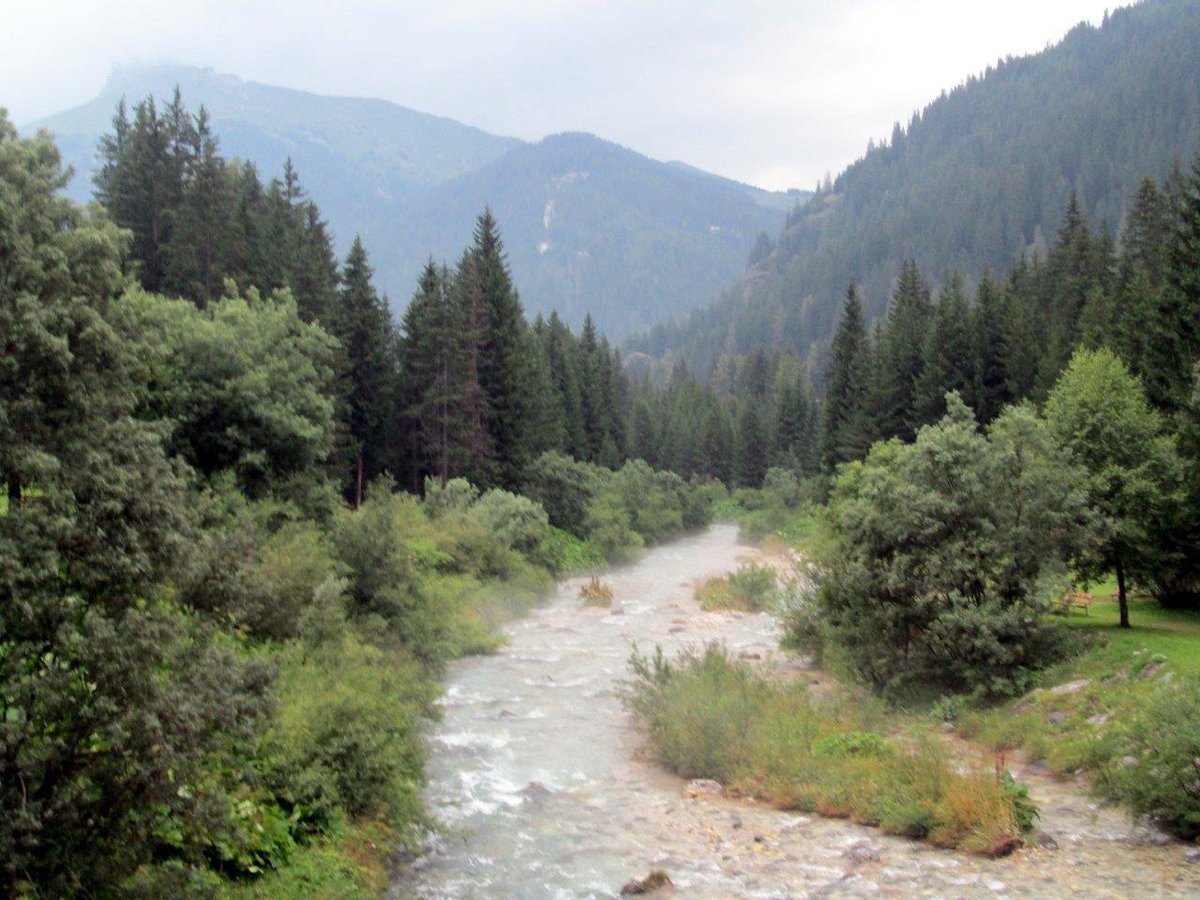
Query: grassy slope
x=1083, y=729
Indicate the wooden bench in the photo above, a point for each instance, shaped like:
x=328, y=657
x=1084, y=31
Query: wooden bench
x=1074, y=600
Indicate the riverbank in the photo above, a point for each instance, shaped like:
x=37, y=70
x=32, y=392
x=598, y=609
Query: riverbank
x=539, y=780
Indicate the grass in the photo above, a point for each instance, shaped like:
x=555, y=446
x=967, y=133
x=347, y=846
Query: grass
x=596, y=593
x=708, y=716
x=752, y=588
x=1120, y=713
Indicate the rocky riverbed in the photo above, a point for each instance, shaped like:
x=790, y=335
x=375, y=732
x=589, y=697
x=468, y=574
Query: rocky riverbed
x=538, y=782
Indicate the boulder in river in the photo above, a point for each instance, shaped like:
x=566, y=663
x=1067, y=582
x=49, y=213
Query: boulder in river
x=656, y=881
x=701, y=788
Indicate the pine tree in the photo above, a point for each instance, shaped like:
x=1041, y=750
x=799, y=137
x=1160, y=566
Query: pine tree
x=845, y=431
x=949, y=363
x=991, y=329
x=902, y=353
x=363, y=324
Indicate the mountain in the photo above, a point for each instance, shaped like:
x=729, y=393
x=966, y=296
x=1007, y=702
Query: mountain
x=980, y=176
x=589, y=226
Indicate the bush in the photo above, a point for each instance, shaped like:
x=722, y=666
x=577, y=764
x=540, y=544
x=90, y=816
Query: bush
x=596, y=593
x=944, y=549
x=518, y=521
x=1163, y=745
x=752, y=588
x=707, y=716
x=347, y=740
x=564, y=488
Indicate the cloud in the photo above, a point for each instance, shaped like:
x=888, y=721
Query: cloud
x=772, y=92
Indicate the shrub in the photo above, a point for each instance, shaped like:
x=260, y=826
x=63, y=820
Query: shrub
x=1163, y=743
x=943, y=549
x=517, y=521
x=751, y=588
x=564, y=488
x=712, y=717
x=596, y=593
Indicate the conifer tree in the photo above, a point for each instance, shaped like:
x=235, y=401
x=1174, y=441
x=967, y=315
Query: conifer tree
x=845, y=431
x=902, y=353
x=949, y=359
x=363, y=324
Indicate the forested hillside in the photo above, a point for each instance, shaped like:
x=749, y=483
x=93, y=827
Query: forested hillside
x=978, y=177
x=591, y=227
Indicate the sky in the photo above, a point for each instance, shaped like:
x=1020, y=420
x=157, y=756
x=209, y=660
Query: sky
x=776, y=93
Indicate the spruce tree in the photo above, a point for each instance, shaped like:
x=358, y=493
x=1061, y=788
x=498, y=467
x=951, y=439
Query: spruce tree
x=949, y=358
x=363, y=324
x=902, y=353
x=845, y=431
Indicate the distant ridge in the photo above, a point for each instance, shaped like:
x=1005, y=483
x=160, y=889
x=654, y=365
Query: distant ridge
x=631, y=240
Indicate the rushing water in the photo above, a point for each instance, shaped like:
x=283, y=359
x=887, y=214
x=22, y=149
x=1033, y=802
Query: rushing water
x=536, y=779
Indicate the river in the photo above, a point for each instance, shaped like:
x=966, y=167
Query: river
x=536, y=777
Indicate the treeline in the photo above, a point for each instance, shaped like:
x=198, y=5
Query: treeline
x=976, y=178
x=213, y=669
x=1015, y=340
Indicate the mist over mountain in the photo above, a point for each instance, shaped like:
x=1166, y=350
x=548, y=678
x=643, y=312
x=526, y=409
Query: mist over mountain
x=980, y=176
x=589, y=226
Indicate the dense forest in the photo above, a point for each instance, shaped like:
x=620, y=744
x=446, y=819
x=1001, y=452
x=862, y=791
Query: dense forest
x=248, y=517
x=970, y=183
x=222, y=625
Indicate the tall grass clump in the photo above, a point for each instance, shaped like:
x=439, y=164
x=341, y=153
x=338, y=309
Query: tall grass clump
x=709, y=716
x=752, y=588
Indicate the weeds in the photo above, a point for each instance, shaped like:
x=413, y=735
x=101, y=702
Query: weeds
x=708, y=716
x=752, y=588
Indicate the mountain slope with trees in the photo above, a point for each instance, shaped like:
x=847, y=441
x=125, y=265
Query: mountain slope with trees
x=977, y=178
x=591, y=226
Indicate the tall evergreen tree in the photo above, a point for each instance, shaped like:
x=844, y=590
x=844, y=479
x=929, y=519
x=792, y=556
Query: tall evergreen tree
x=902, y=353
x=949, y=363
x=363, y=324
x=845, y=431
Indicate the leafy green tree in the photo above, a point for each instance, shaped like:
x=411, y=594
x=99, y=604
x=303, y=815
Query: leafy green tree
x=245, y=383
x=117, y=711
x=1099, y=411
x=944, y=548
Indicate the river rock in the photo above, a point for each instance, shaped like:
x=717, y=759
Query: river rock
x=1193, y=857
x=1045, y=840
x=656, y=881
x=535, y=789
x=702, y=788
x=1071, y=687
x=863, y=851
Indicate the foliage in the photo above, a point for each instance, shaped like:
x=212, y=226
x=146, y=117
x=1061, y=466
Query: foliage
x=595, y=592
x=1130, y=722
x=347, y=740
x=1163, y=779
x=944, y=551
x=752, y=588
x=563, y=487
x=245, y=383
x=708, y=716
x=968, y=184
x=1098, y=410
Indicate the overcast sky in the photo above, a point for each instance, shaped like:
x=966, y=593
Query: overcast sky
x=775, y=93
